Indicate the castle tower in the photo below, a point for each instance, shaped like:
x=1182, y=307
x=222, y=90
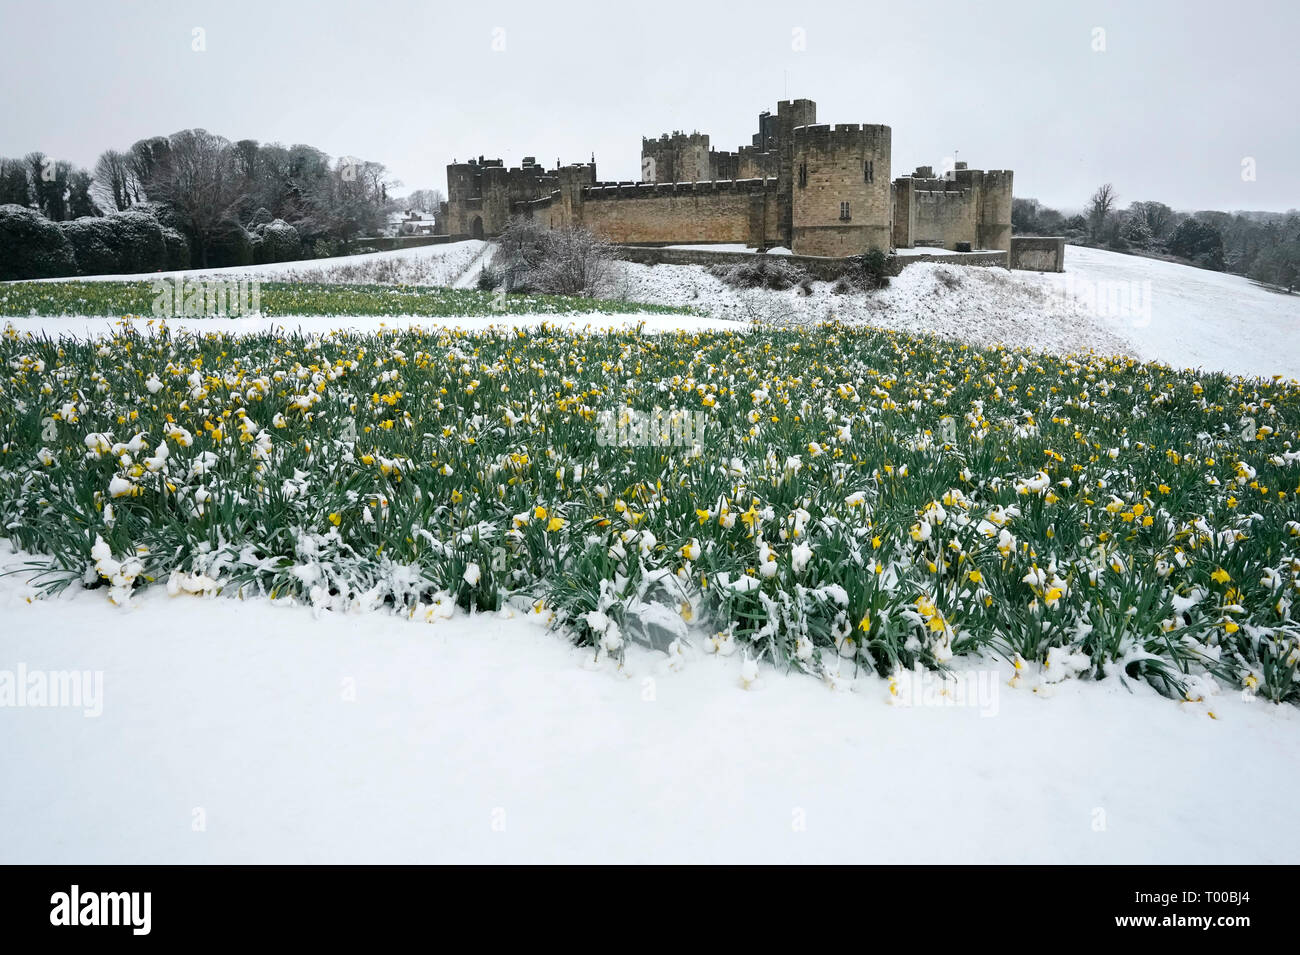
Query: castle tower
x=572, y=180
x=464, y=205
x=790, y=115
x=680, y=157
x=994, y=216
x=841, y=199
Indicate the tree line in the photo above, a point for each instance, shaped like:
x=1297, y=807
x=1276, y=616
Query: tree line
x=189, y=199
x=1264, y=246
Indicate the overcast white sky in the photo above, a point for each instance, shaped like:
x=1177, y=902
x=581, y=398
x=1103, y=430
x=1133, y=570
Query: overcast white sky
x=1182, y=93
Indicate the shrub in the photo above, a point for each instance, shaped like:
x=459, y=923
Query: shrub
x=276, y=242
x=568, y=261
x=178, y=249
x=326, y=248
x=33, y=247
x=865, y=273
x=763, y=271
x=1200, y=242
x=231, y=246
x=95, y=244
x=140, y=243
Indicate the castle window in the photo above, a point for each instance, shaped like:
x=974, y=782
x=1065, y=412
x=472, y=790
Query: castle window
x=869, y=171
x=844, y=211
x=803, y=174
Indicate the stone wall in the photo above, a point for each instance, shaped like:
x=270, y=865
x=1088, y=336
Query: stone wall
x=972, y=206
x=386, y=243
x=823, y=268
x=945, y=217
x=729, y=211
x=992, y=259
x=1032, y=253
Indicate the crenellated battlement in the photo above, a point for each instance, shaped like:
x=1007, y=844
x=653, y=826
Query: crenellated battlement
x=647, y=190
x=841, y=134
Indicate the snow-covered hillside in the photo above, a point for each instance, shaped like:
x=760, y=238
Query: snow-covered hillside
x=421, y=265
x=1104, y=302
x=1197, y=318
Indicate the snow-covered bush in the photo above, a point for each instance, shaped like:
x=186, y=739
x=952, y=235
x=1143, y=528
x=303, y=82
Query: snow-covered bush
x=231, y=246
x=763, y=271
x=276, y=242
x=534, y=258
x=140, y=243
x=32, y=247
x=95, y=244
x=866, y=273
x=178, y=249
x=126, y=242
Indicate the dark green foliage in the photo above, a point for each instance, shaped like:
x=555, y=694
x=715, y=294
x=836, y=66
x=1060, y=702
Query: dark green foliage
x=32, y=247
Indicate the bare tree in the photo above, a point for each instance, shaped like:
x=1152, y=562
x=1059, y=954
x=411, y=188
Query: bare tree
x=115, y=183
x=570, y=261
x=423, y=200
x=199, y=181
x=1099, y=208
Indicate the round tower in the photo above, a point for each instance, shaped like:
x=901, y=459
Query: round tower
x=840, y=187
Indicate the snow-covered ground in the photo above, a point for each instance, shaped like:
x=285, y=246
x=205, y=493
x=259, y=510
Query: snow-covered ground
x=980, y=305
x=82, y=327
x=1197, y=318
x=1104, y=301
x=729, y=247
x=442, y=264
x=237, y=731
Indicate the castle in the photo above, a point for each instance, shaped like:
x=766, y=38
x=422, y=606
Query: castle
x=812, y=188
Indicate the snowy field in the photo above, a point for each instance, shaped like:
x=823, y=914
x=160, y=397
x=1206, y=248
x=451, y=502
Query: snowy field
x=1104, y=302
x=1197, y=318
x=243, y=732
x=594, y=322
x=444, y=264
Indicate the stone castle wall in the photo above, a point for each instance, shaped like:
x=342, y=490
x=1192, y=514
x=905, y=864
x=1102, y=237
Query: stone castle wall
x=724, y=211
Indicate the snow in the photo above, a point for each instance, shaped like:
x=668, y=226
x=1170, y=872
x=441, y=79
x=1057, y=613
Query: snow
x=729, y=247
x=454, y=256
x=237, y=731
x=1105, y=301
x=91, y=327
x=242, y=731
x=1198, y=318
x=469, y=277
x=984, y=306
x=931, y=250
